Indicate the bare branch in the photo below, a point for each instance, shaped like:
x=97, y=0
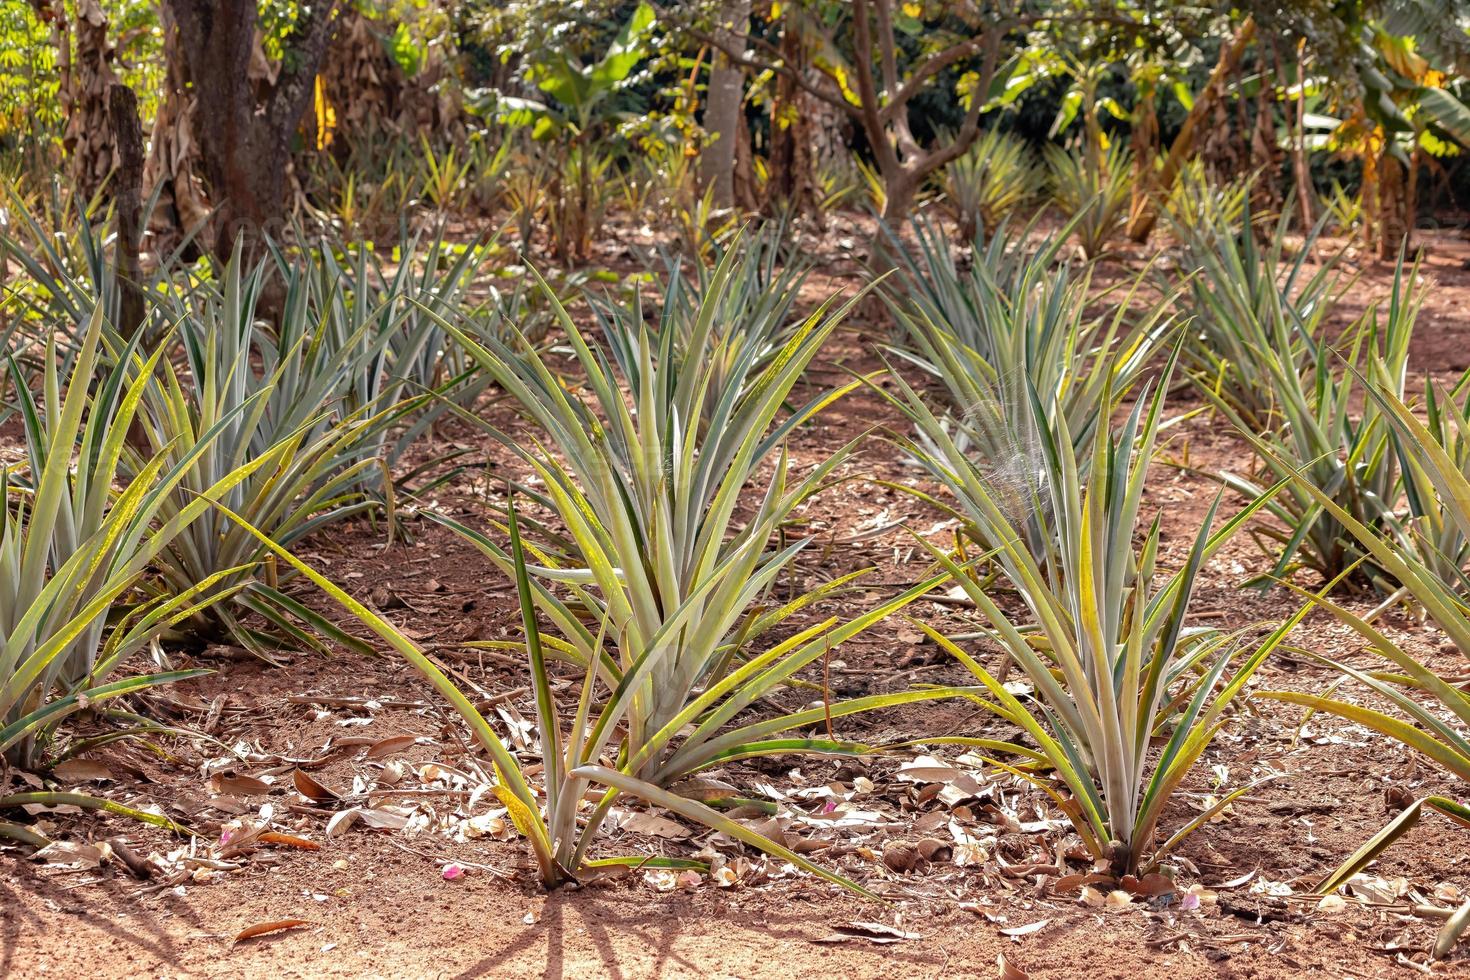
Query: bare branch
x=887, y=46
x=970, y=129
x=867, y=94
x=929, y=68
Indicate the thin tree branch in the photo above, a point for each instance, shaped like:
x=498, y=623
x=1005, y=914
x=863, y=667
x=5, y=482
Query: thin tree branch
x=888, y=58
x=970, y=129
x=887, y=46
x=932, y=66
x=877, y=133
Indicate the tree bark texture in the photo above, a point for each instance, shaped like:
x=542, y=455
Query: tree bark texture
x=246, y=112
x=723, y=105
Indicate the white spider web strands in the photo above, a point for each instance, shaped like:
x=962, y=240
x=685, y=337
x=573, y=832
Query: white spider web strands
x=998, y=433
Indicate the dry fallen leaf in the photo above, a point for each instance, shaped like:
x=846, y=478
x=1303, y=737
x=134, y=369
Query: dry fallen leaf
x=81, y=771
x=313, y=790
x=970, y=855
x=494, y=825
x=873, y=932
x=1009, y=970
x=341, y=822
x=927, y=769
x=656, y=826
x=73, y=854
x=288, y=840
x=1026, y=930
x=383, y=818
x=266, y=928
x=238, y=785
x=900, y=856
x=1148, y=886
x=1072, y=882
x=384, y=747
x=1380, y=891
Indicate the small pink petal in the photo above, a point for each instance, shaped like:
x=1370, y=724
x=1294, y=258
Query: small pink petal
x=453, y=871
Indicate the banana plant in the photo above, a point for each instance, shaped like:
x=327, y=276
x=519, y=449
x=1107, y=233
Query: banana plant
x=575, y=116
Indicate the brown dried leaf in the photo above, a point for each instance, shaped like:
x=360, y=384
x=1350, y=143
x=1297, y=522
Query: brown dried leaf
x=223, y=785
x=1072, y=882
x=313, y=790
x=73, y=854
x=391, y=745
x=81, y=771
x=383, y=819
x=289, y=840
x=656, y=826
x=927, y=769
x=1009, y=971
x=900, y=856
x=266, y=928
x=1149, y=885
x=340, y=822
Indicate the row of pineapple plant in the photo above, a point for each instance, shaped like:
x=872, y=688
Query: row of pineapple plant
x=172, y=473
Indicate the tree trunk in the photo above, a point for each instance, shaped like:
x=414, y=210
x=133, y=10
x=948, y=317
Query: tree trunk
x=1370, y=197
x=171, y=174
x=1392, y=205
x=127, y=135
x=84, y=74
x=244, y=122
x=899, y=193
x=1183, y=146
x=790, y=168
x=722, y=107
x=1411, y=197
x=746, y=197
x=1265, y=154
x=1299, y=166
x=1145, y=147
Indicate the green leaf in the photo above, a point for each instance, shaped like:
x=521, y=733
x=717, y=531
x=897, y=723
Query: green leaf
x=627, y=49
x=1395, y=829
x=1447, y=112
